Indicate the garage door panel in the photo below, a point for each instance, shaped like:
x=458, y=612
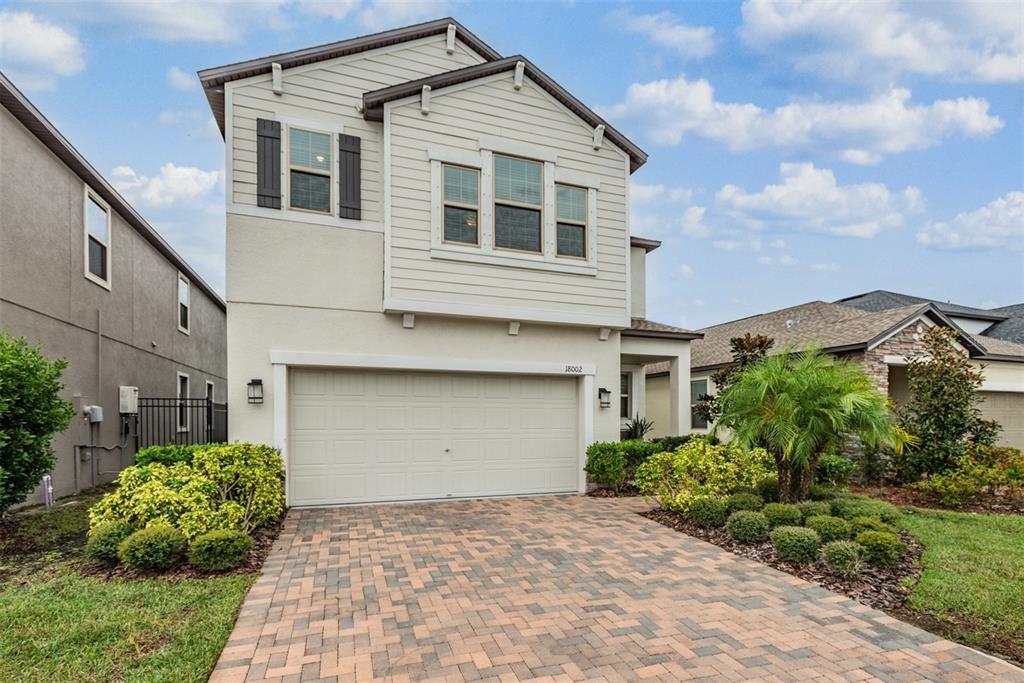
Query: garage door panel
x=362, y=436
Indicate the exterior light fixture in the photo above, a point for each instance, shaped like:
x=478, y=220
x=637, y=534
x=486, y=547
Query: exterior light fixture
x=255, y=387
x=604, y=397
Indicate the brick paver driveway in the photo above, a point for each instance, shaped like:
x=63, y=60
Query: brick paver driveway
x=553, y=588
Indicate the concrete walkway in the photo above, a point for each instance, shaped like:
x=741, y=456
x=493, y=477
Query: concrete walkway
x=563, y=588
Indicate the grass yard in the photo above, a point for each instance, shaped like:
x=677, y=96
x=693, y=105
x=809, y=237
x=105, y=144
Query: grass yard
x=60, y=623
x=973, y=580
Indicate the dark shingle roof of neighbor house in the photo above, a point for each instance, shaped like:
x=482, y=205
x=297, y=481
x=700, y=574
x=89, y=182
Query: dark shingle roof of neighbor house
x=373, y=102
x=832, y=327
x=883, y=300
x=641, y=327
x=30, y=117
x=1011, y=329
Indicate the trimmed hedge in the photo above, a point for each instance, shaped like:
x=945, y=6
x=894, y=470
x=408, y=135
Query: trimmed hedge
x=744, y=501
x=829, y=528
x=865, y=523
x=169, y=455
x=606, y=464
x=747, y=526
x=881, y=548
x=708, y=512
x=219, y=550
x=821, y=492
x=782, y=514
x=814, y=508
x=833, y=469
x=152, y=549
x=843, y=558
x=849, y=507
x=796, y=543
x=768, y=489
x=103, y=542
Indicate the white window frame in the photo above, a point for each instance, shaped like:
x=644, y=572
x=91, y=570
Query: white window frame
x=187, y=329
x=569, y=221
x=540, y=208
x=445, y=202
x=287, y=168
x=211, y=391
x=707, y=390
x=88, y=196
x=188, y=390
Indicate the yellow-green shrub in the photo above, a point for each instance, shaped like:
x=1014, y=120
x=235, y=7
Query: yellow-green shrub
x=698, y=468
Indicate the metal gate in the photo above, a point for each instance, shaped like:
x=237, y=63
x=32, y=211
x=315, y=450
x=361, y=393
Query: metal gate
x=181, y=421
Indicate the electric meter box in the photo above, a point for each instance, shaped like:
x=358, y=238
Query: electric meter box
x=129, y=400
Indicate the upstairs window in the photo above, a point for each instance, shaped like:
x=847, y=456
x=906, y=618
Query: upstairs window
x=518, y=202
x=461, y=205
x=698, y=388
x=309, y=170
x=97, y=241
x=183, y=303
x=571, y=213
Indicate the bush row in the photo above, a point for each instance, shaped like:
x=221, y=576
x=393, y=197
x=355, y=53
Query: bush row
x=160, y=547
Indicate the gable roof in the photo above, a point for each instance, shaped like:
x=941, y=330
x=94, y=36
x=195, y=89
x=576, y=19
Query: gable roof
x=214, y=78
x=641, y=327
x=22, y=109
x=373, y=101
x=1011, y=329
x=881, y=300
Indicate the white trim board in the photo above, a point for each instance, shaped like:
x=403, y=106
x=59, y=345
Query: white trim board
x=426, y=363
x=534, y=315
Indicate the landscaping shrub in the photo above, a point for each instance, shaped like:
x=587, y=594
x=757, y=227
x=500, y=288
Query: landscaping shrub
x=849, y=507
x=821, y=492
x=697, y=469
x=881, y=548
x=829, y=528
x=744, y=501
x=747, y=526
x=812, y=508
x=219, y=550
x=708, y=512
x=638, y=428
x=864, y=523
x=782, y=514
x=31, y=412
x=606, y=464
x=104, y=540
x=170, y=454
x=834, y=470
x=236, y=486
x=768, y=489
x=743, y=489
x=636, y=452
x=796, y=543
x=670, y=443
x=983, y=469
x=152, y=549
x=843, y=558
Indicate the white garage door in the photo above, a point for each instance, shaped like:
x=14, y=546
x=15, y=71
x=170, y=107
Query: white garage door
x=1006, y=408
x=361, y=436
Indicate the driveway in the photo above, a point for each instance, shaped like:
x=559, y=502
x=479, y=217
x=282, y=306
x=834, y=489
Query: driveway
x=563, y=588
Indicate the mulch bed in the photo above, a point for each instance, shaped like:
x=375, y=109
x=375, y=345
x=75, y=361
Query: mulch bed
x=985, y=503
x=627, y=491
x=884, y=589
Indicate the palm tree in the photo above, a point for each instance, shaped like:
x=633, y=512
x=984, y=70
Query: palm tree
x=799, y=405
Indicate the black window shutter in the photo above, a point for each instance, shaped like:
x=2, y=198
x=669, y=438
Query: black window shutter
x=348, y=177
x=268, y=163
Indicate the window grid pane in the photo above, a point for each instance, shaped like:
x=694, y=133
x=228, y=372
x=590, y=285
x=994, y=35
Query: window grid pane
x=461, y=185
x=96, y=221
x=97, y=259
x=697, y=389
x=572, y=203
x=310, y=191
x=518, y=180
x=516, y=228
x=571, y=240
x=309, y=149
x=460, y=225
x=182, y=291
x=183, y=315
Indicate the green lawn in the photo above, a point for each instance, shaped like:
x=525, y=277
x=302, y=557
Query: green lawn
x=973, y=580
x=61, y=624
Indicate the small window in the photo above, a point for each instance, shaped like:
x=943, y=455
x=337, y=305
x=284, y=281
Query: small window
x=183, y=303
x=182, y=402
x=97, y=240
x=518, y=201
x=571, y=215
x=209, y=391
x=461, y=205
x=625, y=398
x=698, y=388
x=309, y=168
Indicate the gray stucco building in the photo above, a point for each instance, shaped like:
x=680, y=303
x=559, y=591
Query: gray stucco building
x=83, y=275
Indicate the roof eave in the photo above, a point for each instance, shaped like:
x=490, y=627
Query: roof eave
x=662, y=335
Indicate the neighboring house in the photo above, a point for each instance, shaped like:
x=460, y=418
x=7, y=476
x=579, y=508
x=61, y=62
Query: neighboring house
x=881, y=337
x=430, y=275
x=86, y=278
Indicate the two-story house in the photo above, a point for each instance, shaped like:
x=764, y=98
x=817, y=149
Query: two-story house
x=86, y=278
x=432, y=289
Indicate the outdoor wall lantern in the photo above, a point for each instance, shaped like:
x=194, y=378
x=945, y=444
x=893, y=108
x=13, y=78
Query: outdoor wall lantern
x=604, y=397
x=255, y=387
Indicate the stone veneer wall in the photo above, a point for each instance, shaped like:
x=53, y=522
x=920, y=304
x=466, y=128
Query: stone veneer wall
x=904, y=343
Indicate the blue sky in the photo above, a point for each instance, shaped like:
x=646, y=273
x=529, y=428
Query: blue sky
x=797, y=152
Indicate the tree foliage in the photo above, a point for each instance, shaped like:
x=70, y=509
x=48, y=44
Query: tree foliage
x=943, y=410
x=31, y=412
x=746, y=350
x=800, y=405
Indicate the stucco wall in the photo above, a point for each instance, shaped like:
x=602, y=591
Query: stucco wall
x=125, y=336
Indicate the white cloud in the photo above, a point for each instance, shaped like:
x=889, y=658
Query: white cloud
x=693, y=224
x=686, y=270
x=737, y=242
x=223, y=21
x=888, y=123
x=657, y=210
x=828, y=266
x=997, y=225
x=881, y=41
x=332, y=9
x=34, y=52
x=174, y=184
x=667, y=30
x=380, y=14
x=810, y=199
x=784, y=260
x=181, y=80
x=778, y=244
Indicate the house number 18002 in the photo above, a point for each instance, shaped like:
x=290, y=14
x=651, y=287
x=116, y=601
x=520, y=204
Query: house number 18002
x=574, y=369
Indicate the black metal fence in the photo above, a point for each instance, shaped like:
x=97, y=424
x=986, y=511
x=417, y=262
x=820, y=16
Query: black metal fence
x=182, y=421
